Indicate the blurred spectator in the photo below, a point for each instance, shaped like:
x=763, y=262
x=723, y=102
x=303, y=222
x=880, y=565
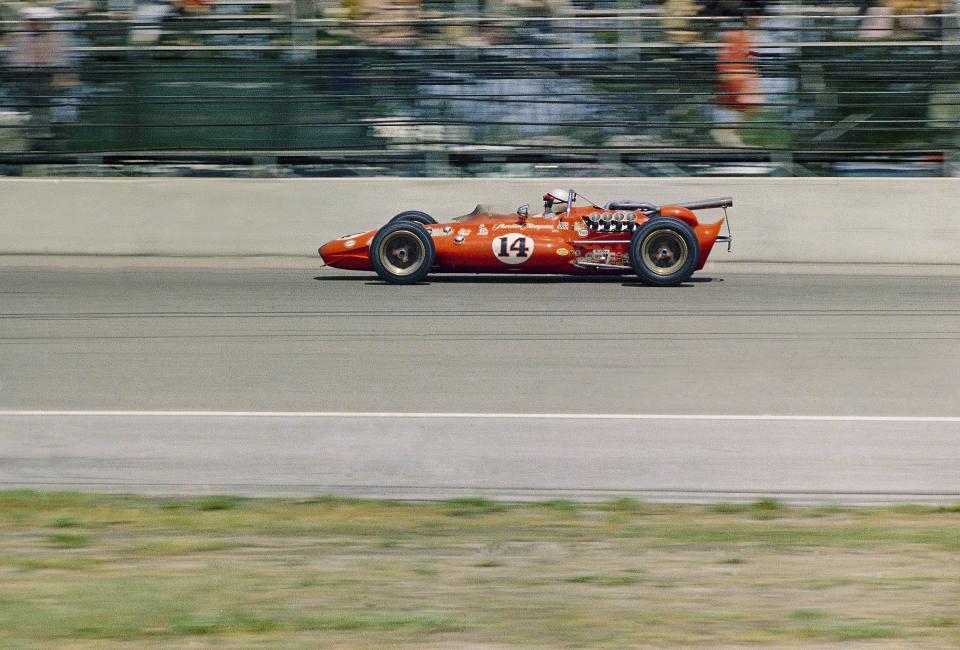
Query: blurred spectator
x=192, y=7
x=147, y=20
x=915, y=15
x=773, y=33
x=677, y=25
x=150, y=15
x=40, y=61
x=738, y=85
x=38, y=44
x=395, y=21
x=891, y=18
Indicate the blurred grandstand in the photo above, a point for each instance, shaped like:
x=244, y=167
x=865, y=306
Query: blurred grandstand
x=480, y=87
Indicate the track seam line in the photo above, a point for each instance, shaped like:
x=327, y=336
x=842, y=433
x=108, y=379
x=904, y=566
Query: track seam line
x=478, y=416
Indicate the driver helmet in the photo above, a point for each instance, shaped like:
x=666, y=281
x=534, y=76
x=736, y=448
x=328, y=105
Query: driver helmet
x=555, y=201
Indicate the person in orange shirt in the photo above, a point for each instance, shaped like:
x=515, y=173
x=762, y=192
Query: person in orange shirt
x=738, y=85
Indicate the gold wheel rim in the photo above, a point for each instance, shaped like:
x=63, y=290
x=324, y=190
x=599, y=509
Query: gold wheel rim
x=664, y=251
x=402, y=253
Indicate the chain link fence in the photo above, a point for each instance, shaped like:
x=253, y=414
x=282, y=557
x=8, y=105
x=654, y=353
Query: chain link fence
x=480, y=87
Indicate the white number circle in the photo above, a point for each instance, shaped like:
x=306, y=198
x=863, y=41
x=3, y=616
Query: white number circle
x=512, y=248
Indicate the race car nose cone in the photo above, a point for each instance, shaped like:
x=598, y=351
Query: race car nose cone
x=330, y=250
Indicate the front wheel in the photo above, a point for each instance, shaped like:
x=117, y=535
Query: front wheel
x=402, y=253
x=664, y=252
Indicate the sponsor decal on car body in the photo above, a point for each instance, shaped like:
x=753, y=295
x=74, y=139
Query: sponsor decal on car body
x=525, y=226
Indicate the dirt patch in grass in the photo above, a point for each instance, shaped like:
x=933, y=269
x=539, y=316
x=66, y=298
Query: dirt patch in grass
x=330, y=572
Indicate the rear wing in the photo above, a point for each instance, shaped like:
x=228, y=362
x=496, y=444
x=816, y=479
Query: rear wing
x=706, y=204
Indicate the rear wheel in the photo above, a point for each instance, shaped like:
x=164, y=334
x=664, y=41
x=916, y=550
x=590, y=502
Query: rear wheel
x=664, y=251
x=402, y=253
x=415, y=216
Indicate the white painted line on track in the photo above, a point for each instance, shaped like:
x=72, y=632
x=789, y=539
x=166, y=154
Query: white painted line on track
x=503, y=416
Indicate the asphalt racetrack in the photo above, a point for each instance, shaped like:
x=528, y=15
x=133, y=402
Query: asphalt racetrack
x=258, y=380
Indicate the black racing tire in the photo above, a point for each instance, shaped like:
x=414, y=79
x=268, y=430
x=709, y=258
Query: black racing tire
x=415, y=216
x=664, y=252
x=402, y=253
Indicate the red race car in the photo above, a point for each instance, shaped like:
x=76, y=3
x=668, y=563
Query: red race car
x=663, y=245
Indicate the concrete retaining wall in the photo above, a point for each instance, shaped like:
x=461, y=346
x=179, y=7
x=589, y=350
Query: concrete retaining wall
x=881, y=220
